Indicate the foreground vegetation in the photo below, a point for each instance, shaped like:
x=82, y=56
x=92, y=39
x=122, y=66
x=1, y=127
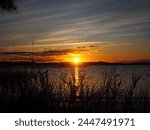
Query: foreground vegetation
x=37, y=90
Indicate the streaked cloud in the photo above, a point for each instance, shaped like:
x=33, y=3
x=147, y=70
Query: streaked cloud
x=50, y=52
x=84, y=24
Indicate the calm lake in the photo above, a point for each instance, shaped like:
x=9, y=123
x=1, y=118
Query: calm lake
x=92, y=74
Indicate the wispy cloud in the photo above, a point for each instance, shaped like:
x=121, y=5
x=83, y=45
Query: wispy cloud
x=46, y=53
x=83, y=24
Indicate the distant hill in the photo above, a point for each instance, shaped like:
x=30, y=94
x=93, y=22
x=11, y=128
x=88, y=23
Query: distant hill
x=61, y=64
x=137, y=61
x=120, y=63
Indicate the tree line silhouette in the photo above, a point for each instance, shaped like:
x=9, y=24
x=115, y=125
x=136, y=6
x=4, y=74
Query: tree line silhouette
x=8, y=5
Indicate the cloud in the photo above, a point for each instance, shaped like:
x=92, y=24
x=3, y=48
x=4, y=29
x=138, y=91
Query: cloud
x=81, y=47
x=92, y=46
x=45, y=53
x=74, y=21
x=83, y=25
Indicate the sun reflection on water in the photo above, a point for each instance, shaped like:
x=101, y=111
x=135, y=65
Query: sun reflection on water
x=76, y=76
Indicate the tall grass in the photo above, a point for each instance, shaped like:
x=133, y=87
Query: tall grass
x=38, y=90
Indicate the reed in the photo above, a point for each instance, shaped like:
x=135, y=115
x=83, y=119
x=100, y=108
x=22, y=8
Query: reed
x=38, y=90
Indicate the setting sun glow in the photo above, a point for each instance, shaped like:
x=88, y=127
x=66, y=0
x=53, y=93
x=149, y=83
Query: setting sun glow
x=76, y=60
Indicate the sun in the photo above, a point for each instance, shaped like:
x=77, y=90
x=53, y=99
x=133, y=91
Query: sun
x=76, y=60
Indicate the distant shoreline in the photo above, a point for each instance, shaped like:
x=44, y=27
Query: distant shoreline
x=59, y=64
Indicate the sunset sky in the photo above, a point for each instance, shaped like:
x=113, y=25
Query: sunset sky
x=62, y=30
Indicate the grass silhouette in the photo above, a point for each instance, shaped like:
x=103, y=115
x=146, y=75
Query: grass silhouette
x=36, y=90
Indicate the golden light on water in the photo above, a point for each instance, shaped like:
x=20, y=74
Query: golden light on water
x=76, y=80
x=76, y=76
